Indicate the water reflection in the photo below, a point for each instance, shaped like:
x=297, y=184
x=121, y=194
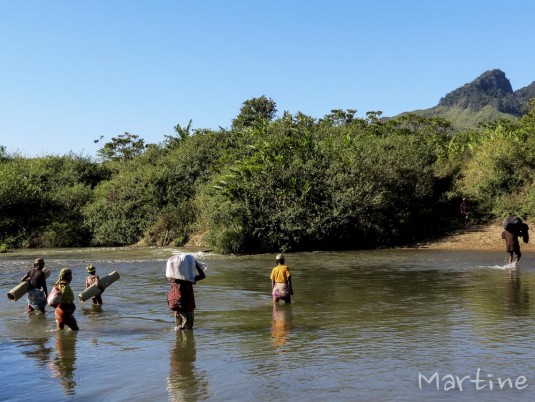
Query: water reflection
x=37, y=349
x=281, y=324
x=184, y=382
x=93, y=309
x=63, y=364
x=361, y=327
x=517, y=294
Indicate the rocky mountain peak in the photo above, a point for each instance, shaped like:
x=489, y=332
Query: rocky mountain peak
x=493, y=81
x=490, y=88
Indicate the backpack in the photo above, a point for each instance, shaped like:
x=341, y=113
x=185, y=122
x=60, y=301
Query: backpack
x=174, y=299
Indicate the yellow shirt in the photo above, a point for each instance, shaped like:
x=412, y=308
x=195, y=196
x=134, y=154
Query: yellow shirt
x=280, y=274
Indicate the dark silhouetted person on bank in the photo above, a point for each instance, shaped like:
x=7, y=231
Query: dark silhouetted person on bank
x=465, y=210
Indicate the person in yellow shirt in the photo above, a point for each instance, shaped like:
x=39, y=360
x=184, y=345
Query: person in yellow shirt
x=281, y=281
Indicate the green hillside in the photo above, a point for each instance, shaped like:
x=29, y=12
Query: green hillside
x=487, y=98
x=466, y=118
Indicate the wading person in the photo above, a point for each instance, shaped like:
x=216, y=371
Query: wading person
x=180, y=296
x=90, y=280
x=281, y=281
x=512, y=244
x=65, y=309
x=37, y=291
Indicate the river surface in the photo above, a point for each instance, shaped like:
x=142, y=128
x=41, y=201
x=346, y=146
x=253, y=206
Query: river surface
x=390, y=325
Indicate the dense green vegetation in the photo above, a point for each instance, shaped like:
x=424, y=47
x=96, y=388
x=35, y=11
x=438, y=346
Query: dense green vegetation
x=466, y=118
x=270, y=184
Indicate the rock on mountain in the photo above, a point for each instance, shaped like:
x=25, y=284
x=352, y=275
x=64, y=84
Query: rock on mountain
x=489, y=97
x=523, y=95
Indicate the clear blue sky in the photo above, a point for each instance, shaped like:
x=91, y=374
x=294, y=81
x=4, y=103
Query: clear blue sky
x=72, y=71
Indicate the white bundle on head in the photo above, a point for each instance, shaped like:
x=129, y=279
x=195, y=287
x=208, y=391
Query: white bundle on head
x=181, y=266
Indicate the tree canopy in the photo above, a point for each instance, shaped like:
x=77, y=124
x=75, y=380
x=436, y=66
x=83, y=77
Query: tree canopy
x=255, y=111
x=273, y=184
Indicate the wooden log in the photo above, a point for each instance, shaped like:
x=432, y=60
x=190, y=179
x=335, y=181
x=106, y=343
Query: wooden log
x=94, y=290
x=22, y=288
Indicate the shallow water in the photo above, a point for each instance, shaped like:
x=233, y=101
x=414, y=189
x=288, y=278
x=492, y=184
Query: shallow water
x=362, y=325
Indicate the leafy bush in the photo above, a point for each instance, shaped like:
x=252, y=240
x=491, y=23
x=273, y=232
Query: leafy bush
x=36, y=193
x=334, y=185
x=293, y=183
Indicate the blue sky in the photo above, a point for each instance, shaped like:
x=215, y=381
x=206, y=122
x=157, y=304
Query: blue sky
x=73, y=71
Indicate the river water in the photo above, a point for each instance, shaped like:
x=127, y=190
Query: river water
x=389, y=325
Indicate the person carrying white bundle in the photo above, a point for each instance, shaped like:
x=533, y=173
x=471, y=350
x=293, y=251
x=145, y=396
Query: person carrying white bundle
x=183, y=271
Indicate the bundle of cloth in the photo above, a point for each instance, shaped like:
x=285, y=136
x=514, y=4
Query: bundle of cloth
x=515, y=225
x=182, y=266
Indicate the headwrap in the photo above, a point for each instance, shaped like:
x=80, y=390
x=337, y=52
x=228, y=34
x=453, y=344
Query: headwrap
x=64, y=272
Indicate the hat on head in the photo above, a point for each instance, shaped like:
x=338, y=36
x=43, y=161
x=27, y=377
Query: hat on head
x=91, y=268
x=279, y=257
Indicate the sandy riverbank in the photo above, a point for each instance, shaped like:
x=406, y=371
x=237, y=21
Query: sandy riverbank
x=475, y=237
